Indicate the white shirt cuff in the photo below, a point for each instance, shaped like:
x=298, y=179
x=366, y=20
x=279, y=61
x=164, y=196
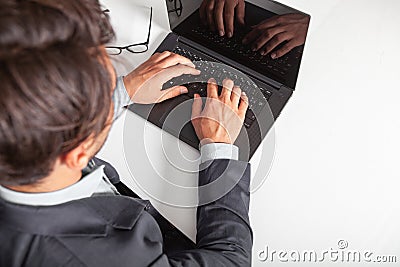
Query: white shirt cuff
x=120, y=97
x=218, y=151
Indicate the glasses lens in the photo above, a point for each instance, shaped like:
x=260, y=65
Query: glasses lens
x=113, y=50
x=137, y=48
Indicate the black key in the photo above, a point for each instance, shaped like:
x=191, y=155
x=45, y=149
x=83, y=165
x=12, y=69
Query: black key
x=250, y=115
x=197, y=88
x=247, y=123
x=267, y=94
x=203, y=90
x=192, y=89
x=168, y=84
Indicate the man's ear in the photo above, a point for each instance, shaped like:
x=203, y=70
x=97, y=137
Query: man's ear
x=78, y=157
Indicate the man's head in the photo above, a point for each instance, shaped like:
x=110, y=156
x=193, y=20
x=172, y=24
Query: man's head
x=55, y=86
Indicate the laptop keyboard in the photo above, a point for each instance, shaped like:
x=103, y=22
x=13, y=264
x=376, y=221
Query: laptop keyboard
x=258, y=94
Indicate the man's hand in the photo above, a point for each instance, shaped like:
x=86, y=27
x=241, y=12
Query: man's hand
x=220, y=15
x=222, y=117
x=144, y=84
x=270, y=33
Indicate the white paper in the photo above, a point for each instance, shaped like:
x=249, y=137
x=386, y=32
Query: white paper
x=127, y=20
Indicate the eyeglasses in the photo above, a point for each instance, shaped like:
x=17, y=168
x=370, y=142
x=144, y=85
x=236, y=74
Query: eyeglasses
x=133, y=48
x=178, y=7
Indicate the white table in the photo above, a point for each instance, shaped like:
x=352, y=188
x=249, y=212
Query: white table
x=335, y=172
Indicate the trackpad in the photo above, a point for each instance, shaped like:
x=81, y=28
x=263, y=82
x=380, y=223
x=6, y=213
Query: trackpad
x=177, y=120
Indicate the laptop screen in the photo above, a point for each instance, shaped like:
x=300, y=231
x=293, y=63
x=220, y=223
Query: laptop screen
x=283, y=69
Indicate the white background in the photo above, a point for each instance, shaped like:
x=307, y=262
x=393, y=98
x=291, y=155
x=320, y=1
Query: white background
x=335, y=174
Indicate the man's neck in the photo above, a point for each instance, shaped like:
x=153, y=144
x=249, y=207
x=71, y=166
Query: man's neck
x=60, y=178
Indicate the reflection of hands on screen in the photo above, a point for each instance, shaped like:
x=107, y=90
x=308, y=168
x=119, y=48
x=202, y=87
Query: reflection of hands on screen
x=219, y=15
x=144, y=84
x=272, y=32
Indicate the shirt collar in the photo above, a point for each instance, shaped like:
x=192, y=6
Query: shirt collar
x=82, y=189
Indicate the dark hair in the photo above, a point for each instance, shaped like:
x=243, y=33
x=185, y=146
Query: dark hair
x=55, y=88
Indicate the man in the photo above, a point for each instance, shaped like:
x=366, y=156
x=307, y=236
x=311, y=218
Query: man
x=264, y=37
x=58, y=97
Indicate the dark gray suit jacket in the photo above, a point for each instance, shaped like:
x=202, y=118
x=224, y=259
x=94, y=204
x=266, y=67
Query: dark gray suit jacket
x=119, y=231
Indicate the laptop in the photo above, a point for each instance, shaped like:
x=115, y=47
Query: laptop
x=269, y=83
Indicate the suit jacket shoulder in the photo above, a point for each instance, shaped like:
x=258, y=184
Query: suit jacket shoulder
x=96, y=231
